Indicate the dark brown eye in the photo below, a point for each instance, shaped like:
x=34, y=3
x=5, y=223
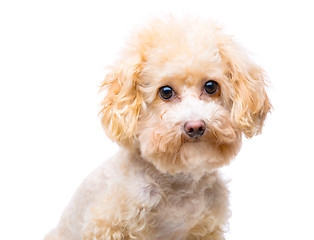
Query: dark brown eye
x=166, y=93
x=211, y=87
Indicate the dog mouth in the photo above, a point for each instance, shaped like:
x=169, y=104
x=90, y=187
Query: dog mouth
x=206, y=138
x=193, y=140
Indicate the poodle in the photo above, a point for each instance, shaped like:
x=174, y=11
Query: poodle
x=177, y=101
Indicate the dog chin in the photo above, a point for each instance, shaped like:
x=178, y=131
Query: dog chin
x=190, y=156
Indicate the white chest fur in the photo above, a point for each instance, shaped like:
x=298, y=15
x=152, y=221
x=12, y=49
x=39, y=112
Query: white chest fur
x=177, y=204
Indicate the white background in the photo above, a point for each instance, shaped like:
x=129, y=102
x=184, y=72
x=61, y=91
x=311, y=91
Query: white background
x=52, y=59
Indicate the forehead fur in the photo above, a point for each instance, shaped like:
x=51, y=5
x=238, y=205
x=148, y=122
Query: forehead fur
x=171, y=40
x=170, y=36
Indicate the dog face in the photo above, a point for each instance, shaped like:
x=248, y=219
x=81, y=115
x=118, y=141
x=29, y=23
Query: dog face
x=182, y=95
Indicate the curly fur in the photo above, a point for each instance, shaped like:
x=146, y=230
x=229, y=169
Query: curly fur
x=163, y=184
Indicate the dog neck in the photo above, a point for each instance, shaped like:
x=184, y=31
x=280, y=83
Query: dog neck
x=186, y=179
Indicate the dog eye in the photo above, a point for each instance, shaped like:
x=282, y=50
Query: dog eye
x=166, y=93
x=211, y=87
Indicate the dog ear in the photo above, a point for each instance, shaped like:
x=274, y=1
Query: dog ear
x=250, y=103
x=122, y=102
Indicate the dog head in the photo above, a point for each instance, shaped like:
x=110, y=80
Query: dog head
x=181, y=94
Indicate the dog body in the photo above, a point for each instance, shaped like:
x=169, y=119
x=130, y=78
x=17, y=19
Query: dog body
x=152, y=205
x=177, y=102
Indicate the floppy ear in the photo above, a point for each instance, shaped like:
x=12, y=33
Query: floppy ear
x=250, y=103
x=122, y=102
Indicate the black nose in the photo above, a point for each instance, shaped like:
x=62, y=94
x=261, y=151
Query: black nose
x=194, y=128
